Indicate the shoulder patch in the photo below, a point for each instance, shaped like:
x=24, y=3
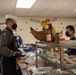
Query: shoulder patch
x=4, y=33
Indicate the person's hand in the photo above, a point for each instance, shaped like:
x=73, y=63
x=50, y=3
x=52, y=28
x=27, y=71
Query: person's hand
x=14, y=53
x=18, y=54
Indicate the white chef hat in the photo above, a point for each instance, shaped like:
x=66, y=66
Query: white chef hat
x=11, y=16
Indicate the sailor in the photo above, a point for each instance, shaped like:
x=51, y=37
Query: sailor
x=8, y=48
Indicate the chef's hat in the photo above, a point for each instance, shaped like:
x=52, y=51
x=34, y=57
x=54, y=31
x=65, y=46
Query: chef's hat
x=11, y=16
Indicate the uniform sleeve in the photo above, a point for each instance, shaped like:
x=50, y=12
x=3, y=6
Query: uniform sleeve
x=4, y=50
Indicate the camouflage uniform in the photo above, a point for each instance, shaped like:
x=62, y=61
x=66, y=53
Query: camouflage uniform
x=7, y=49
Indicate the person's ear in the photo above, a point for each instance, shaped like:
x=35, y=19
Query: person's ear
x=72, y=31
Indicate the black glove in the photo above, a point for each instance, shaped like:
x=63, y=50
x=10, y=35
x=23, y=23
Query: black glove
x=18, y=54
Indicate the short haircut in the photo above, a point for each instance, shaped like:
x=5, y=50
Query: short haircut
x=7, y=20
x=71, y=28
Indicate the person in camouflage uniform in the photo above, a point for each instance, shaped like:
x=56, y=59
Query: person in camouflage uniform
x=9, y=64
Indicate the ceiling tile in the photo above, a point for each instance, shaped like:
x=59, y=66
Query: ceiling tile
x=8, y=3
x=69, y=8
x=47, y=12
x=4, y=11
x=20, y=12
x=60, y=4
x=43, y=4
x=70, y=14
x=44, y=8
x=34, y=12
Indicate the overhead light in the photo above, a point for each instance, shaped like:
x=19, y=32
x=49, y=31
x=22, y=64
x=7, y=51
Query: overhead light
x=25, y=3
x=74, y=9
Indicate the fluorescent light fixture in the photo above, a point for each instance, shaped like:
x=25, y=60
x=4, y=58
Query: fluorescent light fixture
x=25, y=3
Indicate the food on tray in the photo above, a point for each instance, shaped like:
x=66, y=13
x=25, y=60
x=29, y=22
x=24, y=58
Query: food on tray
x=74, y=60
x=56, y=49
x=66, y=74
x=65, y=61
x=20, y=61
x=50, y=54
x=70, y=57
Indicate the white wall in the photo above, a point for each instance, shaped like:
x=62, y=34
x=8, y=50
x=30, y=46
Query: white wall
x=25, y=33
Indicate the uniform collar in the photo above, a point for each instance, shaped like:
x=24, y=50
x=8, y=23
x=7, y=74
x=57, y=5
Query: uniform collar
x=73, y=38
x=9, y=29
